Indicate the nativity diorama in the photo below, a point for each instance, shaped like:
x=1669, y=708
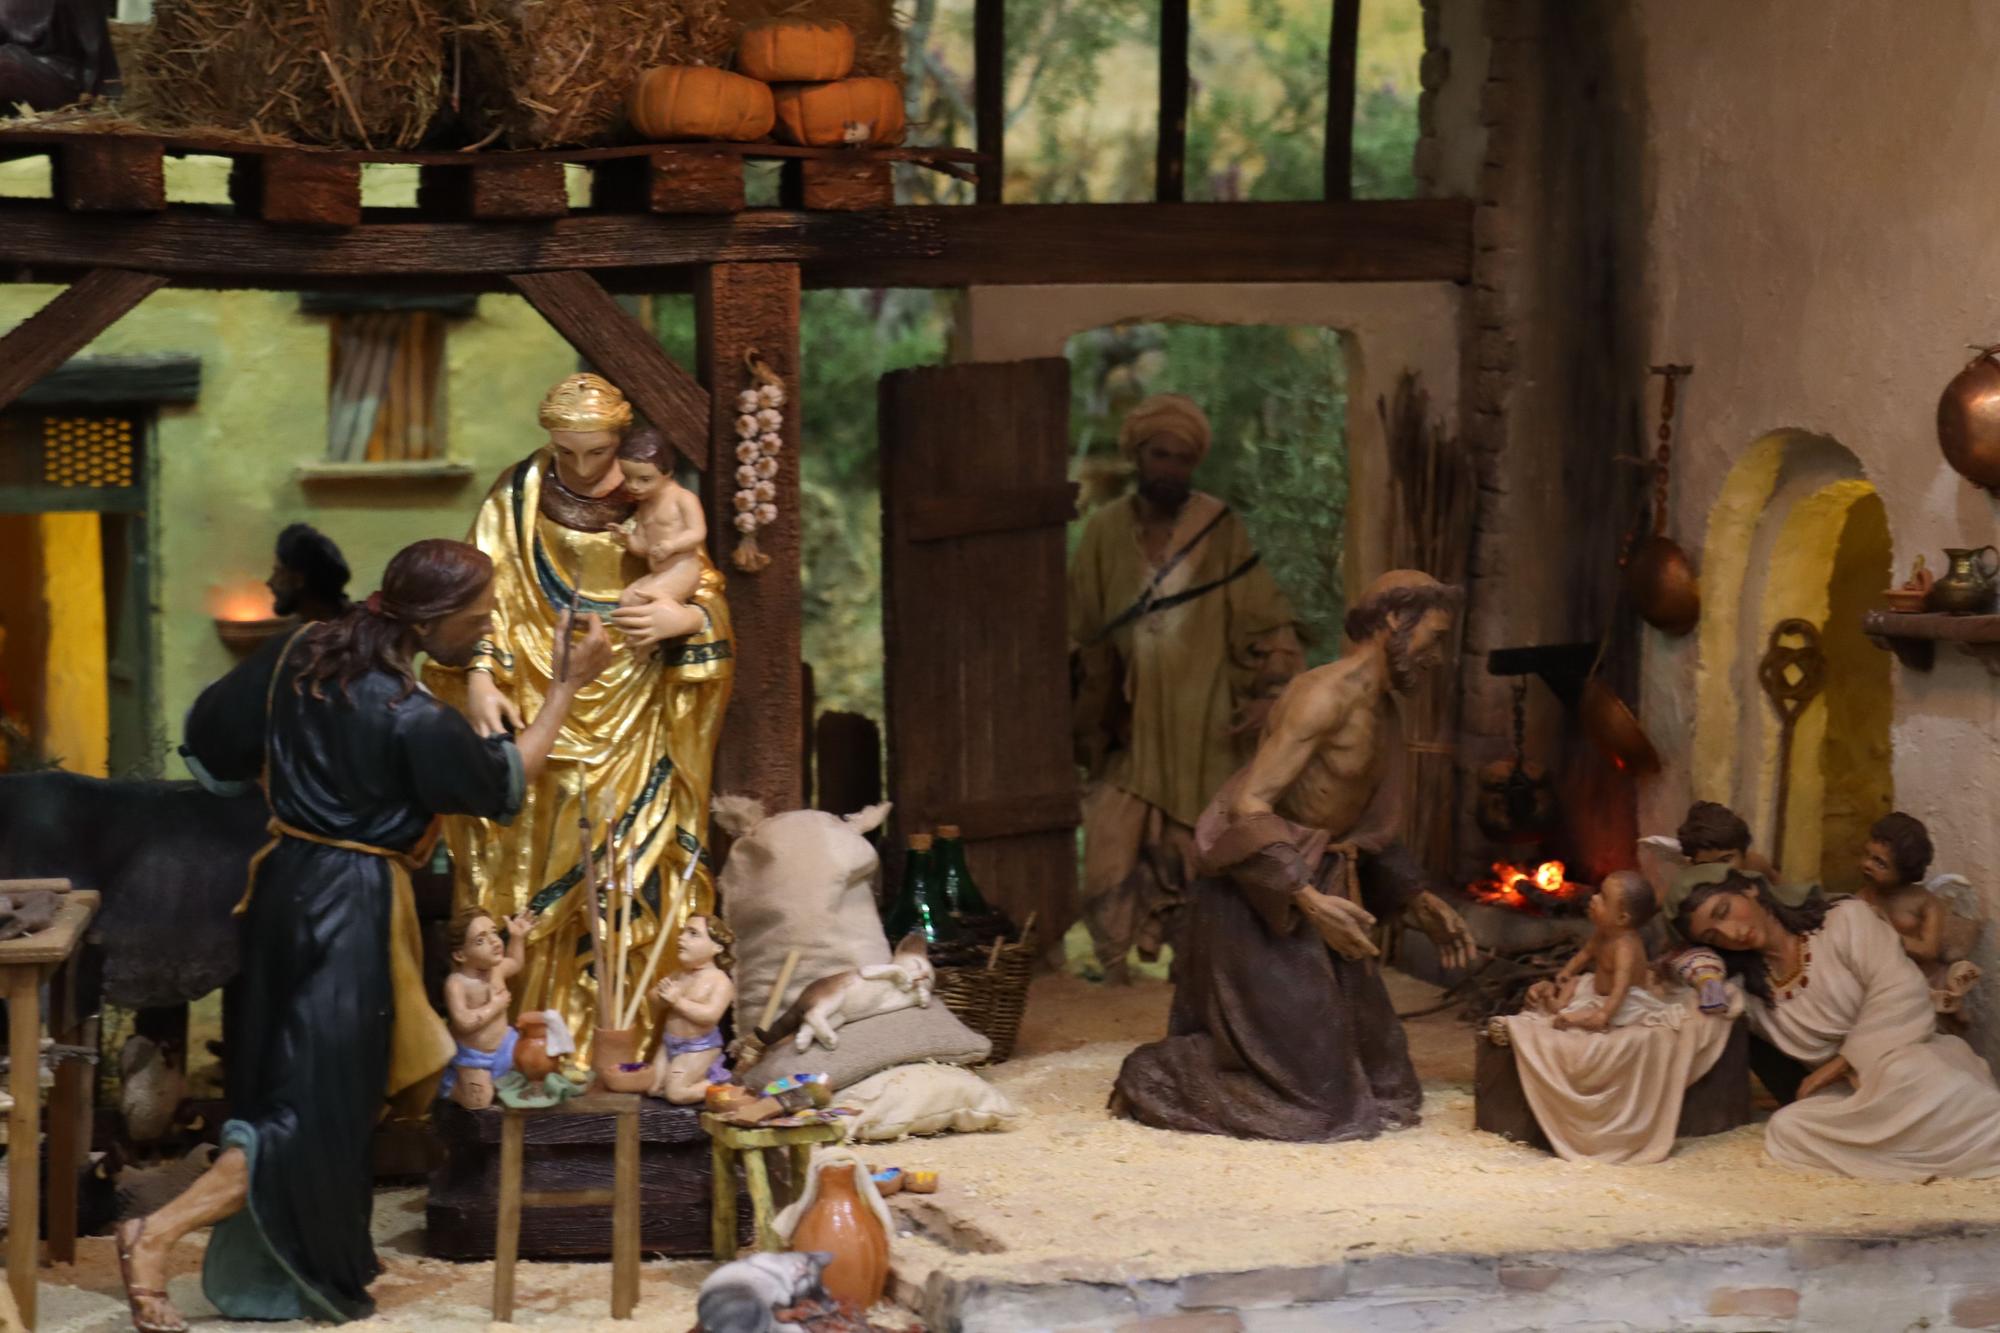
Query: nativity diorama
x=745, y=666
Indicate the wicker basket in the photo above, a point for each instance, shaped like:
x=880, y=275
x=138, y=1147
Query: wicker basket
x=990, y=997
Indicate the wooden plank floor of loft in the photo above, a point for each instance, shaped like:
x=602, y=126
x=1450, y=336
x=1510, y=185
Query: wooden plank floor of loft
x=299, y=185
x=1402, y=240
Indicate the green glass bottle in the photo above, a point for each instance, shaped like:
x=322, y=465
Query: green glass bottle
x=960, y=891
x=921, y=906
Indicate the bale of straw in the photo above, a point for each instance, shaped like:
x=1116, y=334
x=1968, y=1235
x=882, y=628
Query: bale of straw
x=340, y=73
x=556, y=73
x=878, y=41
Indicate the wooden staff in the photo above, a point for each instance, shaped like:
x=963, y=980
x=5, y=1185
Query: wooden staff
x=590, y=910
x=778, y=991
x=660, y=939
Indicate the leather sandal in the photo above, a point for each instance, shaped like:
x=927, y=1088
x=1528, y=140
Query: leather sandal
x=127, y=1235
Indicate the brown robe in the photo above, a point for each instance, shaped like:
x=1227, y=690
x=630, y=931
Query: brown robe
x=1273, y=1035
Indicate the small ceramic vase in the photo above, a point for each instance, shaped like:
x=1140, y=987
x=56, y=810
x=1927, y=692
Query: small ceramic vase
x=531, y=1052
x=612, y=1047
x=842, y=1224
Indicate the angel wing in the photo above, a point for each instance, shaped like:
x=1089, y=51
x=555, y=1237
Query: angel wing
x=1664, y=846
x=1957, y=891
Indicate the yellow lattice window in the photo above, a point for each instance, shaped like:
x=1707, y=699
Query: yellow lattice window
x=94, y=452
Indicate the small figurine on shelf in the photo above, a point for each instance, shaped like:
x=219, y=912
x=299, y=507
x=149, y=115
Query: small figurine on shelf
x=1614, y=956
x=476, y=999
x=689, y=1004
x=1938, y=940
x=666, y=530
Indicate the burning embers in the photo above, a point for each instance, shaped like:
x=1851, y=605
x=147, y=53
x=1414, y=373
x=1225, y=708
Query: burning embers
x=1542, y=891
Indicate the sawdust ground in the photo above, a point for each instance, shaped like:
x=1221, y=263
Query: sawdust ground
x=1075, y=1194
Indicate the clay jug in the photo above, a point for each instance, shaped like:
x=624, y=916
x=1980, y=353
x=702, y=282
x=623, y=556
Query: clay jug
x=1967, y=587
x=841, y=1223
x=531, y=1052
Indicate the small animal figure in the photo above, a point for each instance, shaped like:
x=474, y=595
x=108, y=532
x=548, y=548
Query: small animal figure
x=151, y=1089
x=745, y=1296
x=844, y=997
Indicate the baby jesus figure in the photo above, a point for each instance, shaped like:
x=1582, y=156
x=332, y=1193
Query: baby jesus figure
x=1894, y=863
x=1614, y=958
x=666, y=531
x=689, y=1005
x=476, y=1000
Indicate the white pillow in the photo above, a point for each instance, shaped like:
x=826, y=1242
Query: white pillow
x=926, y=1099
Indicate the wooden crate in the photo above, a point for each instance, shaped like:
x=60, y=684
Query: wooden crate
x=566, y=1153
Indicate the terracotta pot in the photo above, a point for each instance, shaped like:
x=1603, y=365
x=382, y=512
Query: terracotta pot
x=1968, y=421
x=531, y=1053
x=841, y=1223
x=612, y=1047
x=627, y=1077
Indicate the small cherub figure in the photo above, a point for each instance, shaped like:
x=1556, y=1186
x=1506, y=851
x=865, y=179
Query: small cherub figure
x=476, y=1000
x=1894, y=863
x=689, y=1004
x=666, y=531
x=1622, y=905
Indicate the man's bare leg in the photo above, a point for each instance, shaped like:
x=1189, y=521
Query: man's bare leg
x=218, y=1193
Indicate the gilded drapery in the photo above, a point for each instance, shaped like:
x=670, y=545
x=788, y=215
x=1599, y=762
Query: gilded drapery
x=640, y=740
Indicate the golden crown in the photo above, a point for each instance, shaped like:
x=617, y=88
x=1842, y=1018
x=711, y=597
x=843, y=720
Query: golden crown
x=585, y=403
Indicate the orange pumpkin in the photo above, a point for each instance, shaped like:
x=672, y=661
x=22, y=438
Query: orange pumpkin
x=858, y=112
x=797, y=52
x=695, y=102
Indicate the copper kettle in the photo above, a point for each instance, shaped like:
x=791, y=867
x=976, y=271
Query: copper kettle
x=1968, y=420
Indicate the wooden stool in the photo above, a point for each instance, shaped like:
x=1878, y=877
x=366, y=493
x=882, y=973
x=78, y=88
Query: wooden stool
x=23, y=964
x=750, y=1143
x=623, y=1196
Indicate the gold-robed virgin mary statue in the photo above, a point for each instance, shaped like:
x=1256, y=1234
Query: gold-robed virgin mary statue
x=639, y=742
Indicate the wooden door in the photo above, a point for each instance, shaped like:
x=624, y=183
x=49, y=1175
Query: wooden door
x=975, y=499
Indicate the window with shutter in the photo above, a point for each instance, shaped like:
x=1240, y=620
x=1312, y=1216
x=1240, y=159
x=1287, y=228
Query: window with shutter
x=385, y=400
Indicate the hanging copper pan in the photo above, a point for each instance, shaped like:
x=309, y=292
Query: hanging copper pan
x=1613, y=726
x=1968, y=420
x=1659, y=577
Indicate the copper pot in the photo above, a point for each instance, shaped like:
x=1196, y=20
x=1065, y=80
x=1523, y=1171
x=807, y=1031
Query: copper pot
x=1661, y=582
x=1615, y=730
x=1968, y=420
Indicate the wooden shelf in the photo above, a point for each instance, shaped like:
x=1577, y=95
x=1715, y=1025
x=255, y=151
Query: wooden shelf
x=420, y=471
x=1914, y=636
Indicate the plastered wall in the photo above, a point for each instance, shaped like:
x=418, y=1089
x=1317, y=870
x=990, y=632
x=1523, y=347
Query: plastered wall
x=226, y=478
x=1819, y=226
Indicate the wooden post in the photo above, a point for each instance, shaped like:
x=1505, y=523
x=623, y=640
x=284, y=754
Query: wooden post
x=1170, y=160
x=989, y=94
x=743, y=308
x=629, y=355
x=60, y=329
x=507, y=1231
x=24, y=1134
x=1340, y=56
x=625, y=1215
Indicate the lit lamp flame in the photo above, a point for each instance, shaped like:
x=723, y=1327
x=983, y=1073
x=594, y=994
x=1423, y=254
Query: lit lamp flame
x=241, y=602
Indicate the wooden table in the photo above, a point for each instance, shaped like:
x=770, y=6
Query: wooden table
x=24, y=963
x=750, y=1143
x=623, y=1196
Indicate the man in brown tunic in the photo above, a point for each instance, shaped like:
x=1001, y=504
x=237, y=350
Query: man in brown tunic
x=1281, y=1026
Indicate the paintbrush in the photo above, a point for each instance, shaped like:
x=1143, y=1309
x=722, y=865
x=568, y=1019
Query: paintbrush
x=590, y=909
x=665, y=933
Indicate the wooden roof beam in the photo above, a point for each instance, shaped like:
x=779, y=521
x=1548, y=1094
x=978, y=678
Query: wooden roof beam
x=1387, y=240
x=62, y=328
x=627, y=352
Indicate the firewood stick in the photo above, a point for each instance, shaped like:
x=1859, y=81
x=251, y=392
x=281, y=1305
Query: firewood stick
x=659, y=949
x=778, y=991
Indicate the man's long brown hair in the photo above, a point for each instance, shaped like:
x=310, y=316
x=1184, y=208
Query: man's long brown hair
x=425, y=581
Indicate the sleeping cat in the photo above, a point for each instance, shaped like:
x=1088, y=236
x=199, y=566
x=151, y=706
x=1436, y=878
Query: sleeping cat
x=744, y=1296
x=832, y=1001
